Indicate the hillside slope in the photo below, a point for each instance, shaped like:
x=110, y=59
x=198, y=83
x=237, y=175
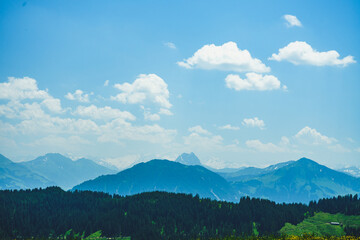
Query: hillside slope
x=163, y=175
x=65, y=172
x=300, y=181
x=16, y=176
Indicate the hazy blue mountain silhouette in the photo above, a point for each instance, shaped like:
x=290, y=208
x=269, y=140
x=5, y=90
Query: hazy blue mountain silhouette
x=188, y=159
x=251, y=172
x=299, y=181
x=163, y=175
x=65, y=172
x=16, y=176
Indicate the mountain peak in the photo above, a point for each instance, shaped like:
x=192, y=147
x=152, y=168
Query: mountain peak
x=188, y=159
x=306, y=161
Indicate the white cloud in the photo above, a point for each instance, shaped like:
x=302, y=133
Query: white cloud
x=170, y=45
x=338, y=148
x=146, y=88
x=18, y=89
x=124, y=161
x=253, y=81
x=106, y=83
x=165, y=111
x=227, y=57
x=311, y=136
x=21, y=88
x=78, y=95
x=253, y=122
x=357, y=149
x=151, y=116
x=302, y=53
x=203, y=142
x=53, y=104
x=263, y=147
x=35, y=122
x=292, y=21
x=17, y=110
x=60, y=142
x=201, y=139
x=103, y=113
x=284, y=141
x=229, y=127
x=119, y=129
x=199, y=130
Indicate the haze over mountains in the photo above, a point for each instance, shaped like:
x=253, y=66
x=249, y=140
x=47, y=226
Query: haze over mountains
x=293, y=181
x=48, y=170
x=16, y=176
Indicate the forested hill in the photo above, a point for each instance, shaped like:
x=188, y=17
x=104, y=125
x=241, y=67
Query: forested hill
x=155, y=215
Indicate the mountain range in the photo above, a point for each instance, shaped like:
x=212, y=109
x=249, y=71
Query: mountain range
x=293, y=181
x=163, y=175
x=300, y=181
x=17, y=176
x=52, y=169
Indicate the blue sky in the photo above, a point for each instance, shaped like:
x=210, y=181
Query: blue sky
x=240, y=83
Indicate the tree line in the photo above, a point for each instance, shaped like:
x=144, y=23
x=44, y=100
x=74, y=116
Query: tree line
x=51, y=212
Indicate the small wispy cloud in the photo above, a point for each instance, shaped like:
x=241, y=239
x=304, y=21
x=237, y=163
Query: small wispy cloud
x=170, y=45
x=253, y=122
x=229, y=127
x=292, y=21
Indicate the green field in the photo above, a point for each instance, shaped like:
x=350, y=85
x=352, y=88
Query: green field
x=319, y=225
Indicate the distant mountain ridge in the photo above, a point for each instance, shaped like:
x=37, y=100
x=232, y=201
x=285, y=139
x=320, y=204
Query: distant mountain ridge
x=163, y=175
x=299, y=181
x=16, y=176
x=188, y=159
x=294, y=181
x=65, y=172
x=251, y=172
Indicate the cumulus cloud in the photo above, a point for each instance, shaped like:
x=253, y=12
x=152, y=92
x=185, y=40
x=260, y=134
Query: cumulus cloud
x=199, y=130
x=151, y=116
x=229, y=127
x=118, y=129
x=253, y=81
x=106, y=83
x=170, y=45
x=78, y=95
x=21, y=88
x=263, y=147
x=105, y=113
x=292, y=21
x=227, y=57
x=17, y=110
x=53, y=105
x=302, y=53
x=36, y=122
x=253, y=122
x=146, y=88
x=311, y=136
